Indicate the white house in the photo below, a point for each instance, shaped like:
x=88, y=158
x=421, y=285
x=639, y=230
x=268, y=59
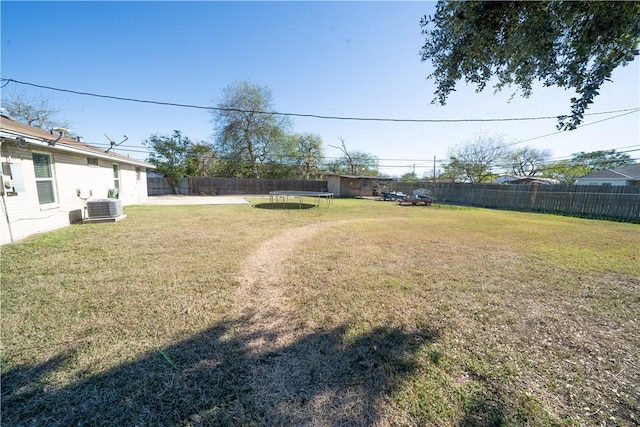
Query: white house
x=47, y=178
x=625, y=175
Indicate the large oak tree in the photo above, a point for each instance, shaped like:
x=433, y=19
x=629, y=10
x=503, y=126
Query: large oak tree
x=570, y=44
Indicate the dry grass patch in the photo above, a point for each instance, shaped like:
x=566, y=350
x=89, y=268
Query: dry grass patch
x=526, y=337
x=363, y=314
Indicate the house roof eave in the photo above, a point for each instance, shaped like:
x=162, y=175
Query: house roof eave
x=42, y=138
x=84, y=149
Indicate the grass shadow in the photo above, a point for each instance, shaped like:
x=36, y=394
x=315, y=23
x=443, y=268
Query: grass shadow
x=22, y=382
x=285, y=206
x=211, y=379
x=484, y=409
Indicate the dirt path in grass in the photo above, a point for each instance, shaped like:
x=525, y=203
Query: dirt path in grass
x=261, y=298
x=290, y=364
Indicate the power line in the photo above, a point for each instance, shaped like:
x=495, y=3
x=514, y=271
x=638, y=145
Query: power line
x=418, y=163
x=132, y=149
x=442, y=162
x=617, y=150
x=629, y=111
x=316, y=116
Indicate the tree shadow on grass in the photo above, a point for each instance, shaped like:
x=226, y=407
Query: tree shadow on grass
x=323, y=378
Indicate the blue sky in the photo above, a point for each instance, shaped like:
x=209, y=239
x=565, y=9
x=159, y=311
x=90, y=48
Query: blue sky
x=355, y=59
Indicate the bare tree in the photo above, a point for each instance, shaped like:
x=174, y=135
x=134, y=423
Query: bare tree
x=527, y=161
x=354, y=162
x=38, y=112
x=474, y=161
x=201, y=159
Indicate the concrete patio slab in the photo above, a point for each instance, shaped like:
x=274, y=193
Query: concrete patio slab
x=173, y=199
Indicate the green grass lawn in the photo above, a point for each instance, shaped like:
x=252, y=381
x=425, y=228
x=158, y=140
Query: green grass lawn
x=366, y=313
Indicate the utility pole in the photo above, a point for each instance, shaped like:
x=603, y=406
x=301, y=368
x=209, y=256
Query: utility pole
x=434, y=171
x=435, y=187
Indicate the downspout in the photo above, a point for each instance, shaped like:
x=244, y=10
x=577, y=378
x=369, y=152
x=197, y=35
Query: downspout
x=4, y=201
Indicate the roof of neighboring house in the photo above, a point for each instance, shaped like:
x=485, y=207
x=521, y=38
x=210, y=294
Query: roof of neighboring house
x=510, y=177
x=625, y=172
x=11, y=128
x=534, y=180
x=515, y=179
x=361, y=176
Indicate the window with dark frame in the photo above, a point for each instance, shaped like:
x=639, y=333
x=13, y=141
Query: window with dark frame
x=44, y=178
x=116, y=177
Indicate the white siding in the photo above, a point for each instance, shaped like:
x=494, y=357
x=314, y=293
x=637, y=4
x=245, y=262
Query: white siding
x=601, y=181
x=71, y=172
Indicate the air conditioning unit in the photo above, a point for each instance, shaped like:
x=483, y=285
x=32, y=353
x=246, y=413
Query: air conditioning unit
x=104, y=208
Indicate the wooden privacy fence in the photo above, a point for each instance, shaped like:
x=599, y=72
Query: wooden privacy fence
x=215, y=186
x=621, y=203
